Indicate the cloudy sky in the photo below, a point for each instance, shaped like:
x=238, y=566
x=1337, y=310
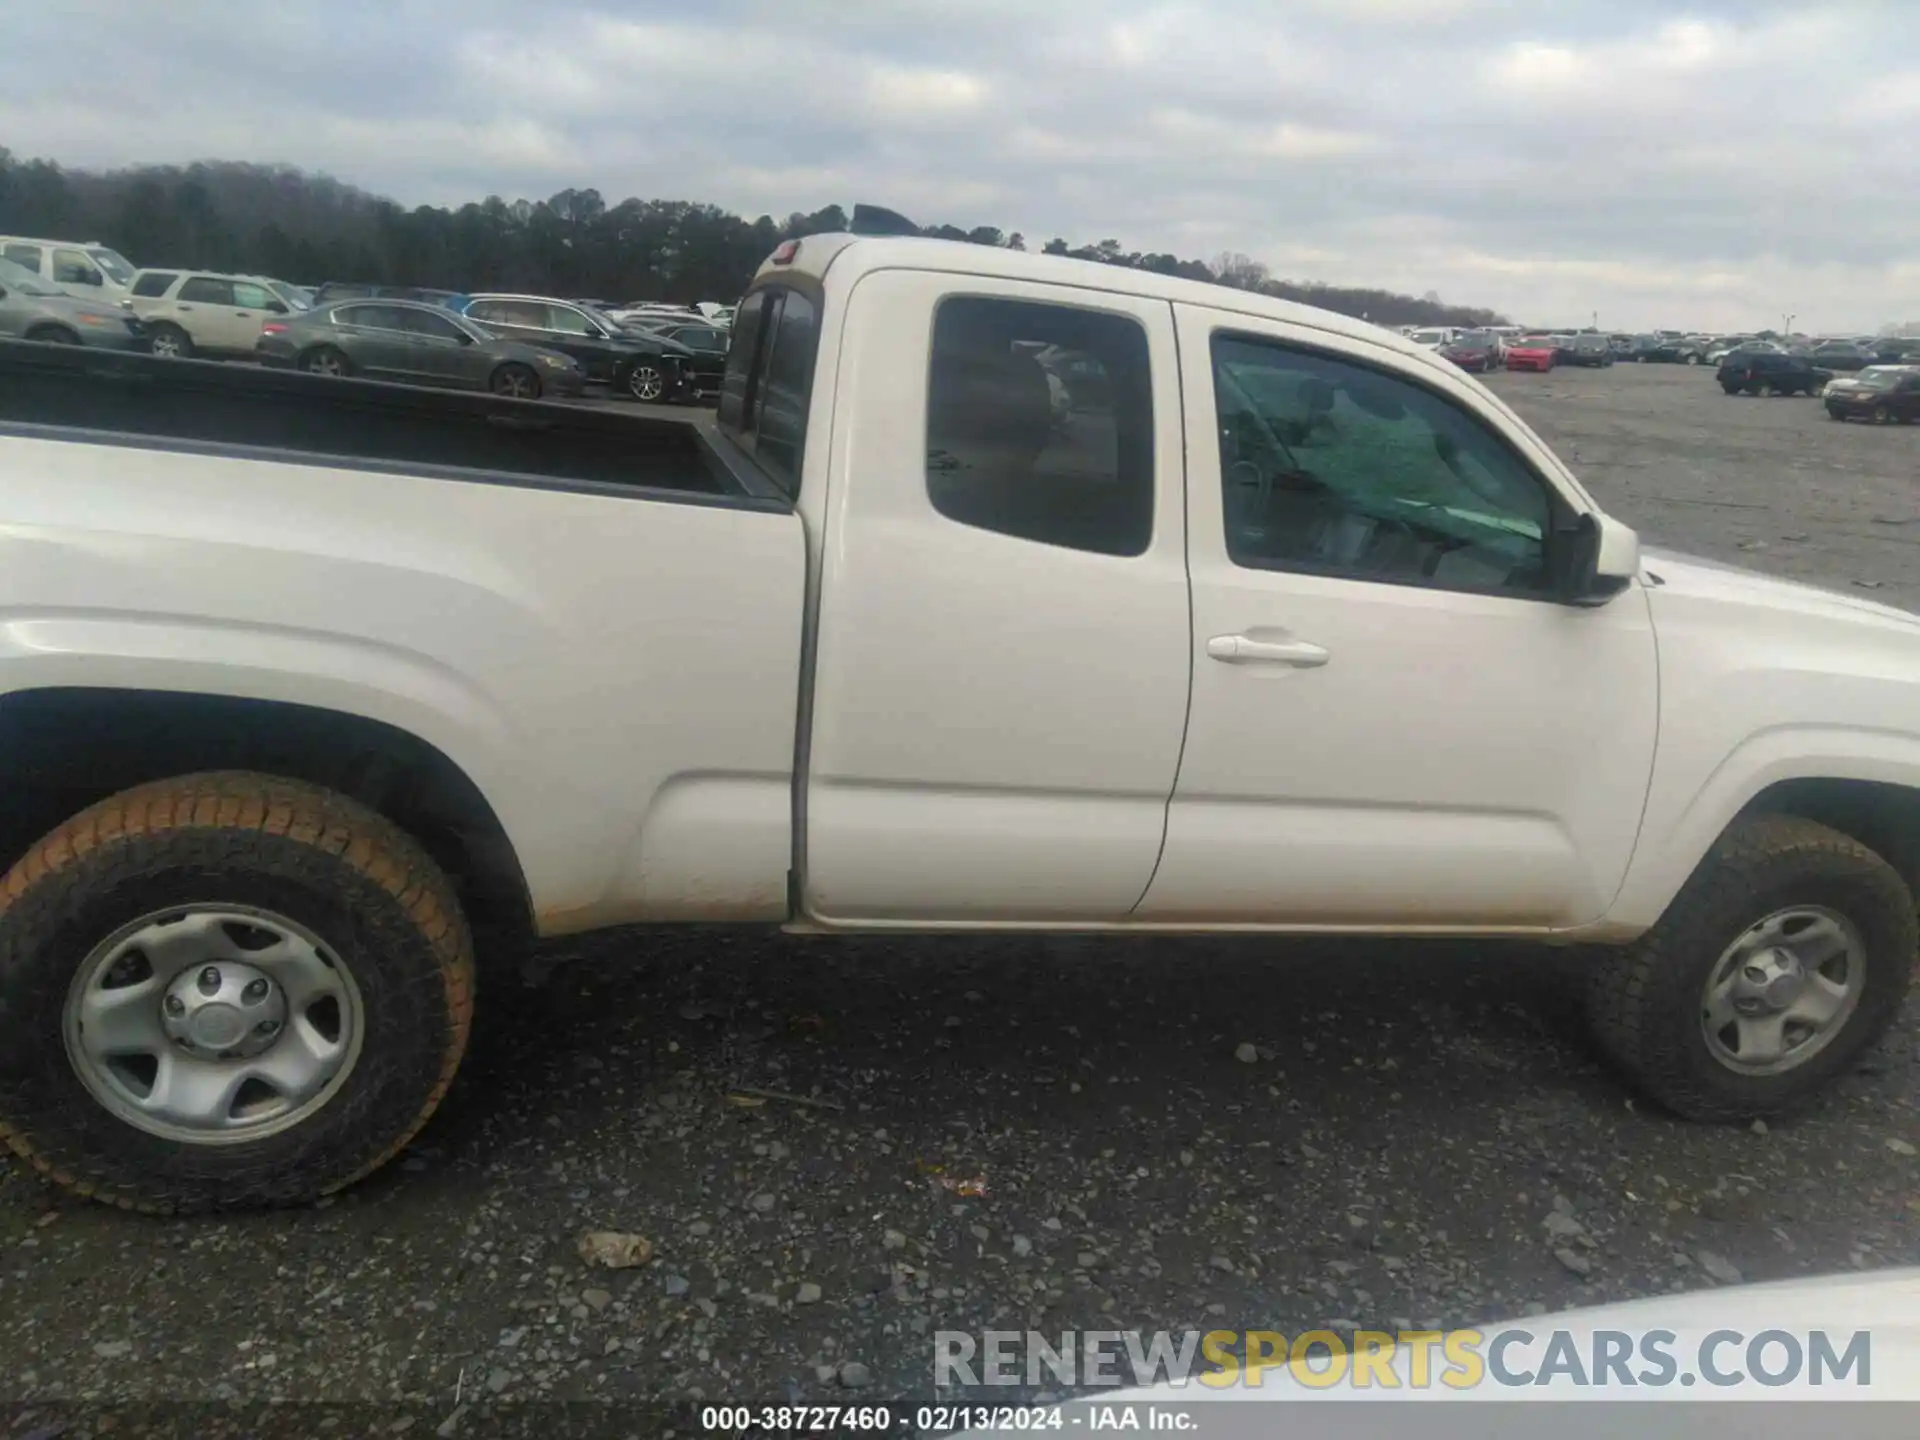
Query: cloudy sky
x=1661, y=162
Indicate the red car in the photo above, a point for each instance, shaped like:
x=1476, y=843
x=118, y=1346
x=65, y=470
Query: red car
x=1533, y=352
x=1476, y=354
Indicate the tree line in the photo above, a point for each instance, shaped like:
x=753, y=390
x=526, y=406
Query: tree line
x=280, y=221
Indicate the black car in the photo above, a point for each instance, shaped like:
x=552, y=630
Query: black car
x=1769, y=372
x=1842, y=355
x=707, y=342
x=1589, y=349
x=1897, y=350
x=1886, y=394
x=629, y=362
x=1655, y=349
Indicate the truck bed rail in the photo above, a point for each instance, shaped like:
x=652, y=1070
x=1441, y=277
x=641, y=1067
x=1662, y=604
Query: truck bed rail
x=145, y=401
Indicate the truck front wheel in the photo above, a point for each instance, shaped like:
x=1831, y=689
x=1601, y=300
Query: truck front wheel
x=1782, y=961
x=226, y=990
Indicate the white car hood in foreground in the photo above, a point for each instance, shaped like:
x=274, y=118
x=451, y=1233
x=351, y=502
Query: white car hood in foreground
x=1886, y=1304
x=1694, y=577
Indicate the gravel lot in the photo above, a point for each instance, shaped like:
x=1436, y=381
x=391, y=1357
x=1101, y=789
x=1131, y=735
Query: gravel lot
x=1026, y=1132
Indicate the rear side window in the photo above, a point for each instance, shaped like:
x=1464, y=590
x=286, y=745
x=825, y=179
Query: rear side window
x=1040, y=423
x=204, y=291
x=371, y=317
x=154, y=283
x=425, y=322
x=769, y=380
x=26, y=255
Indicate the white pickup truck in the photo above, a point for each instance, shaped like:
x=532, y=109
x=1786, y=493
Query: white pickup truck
x=1006, y=593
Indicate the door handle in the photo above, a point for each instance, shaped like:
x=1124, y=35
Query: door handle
x=1240, y=649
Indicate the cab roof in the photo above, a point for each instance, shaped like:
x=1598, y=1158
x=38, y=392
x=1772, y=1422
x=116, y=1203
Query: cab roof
x=815, y=255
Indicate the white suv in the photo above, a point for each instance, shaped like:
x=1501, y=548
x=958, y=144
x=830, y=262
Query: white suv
x=83, y=268
x=198, y=312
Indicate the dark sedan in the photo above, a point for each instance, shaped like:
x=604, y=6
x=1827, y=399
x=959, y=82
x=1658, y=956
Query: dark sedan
x=1885, y=394
x=418, y=344
x=628, y=362
x=1590, y=349
x=1473, y=352
x=1770, y=372
x=707, y=342
x=1842, y=355
x=1658, y=350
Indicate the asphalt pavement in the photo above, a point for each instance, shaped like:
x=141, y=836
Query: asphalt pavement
x=834, y=1149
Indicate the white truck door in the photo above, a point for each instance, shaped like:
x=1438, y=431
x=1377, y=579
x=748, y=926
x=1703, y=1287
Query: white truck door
x=1002, y=643
x=1392, y=725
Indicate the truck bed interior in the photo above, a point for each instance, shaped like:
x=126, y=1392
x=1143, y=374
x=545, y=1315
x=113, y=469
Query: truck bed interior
x=90, y=395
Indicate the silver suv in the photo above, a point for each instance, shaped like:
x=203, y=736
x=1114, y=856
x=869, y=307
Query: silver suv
x=34, y=309
x=199, y=312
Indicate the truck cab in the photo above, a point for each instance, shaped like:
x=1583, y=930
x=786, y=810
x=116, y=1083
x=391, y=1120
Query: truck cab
x=1003, y=593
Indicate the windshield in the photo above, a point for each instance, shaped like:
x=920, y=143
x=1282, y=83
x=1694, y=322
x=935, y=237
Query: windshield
x=19, y=278
x=293, y=295
x=1879, y=377
x=604, y=320
x=119, y=269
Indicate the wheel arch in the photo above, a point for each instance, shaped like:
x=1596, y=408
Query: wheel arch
x=63, y=748
x=1870, y=791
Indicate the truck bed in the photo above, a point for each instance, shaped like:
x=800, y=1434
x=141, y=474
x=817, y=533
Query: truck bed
x=102, y=397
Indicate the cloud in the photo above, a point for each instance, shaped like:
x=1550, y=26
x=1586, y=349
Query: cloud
x=1710, y=162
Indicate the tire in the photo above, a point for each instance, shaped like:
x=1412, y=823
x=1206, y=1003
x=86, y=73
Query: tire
x=1646, y=1002
x=1764, y=390
x=177, y=343
x=647, y=381
x=1640, y=359
x=1882, y=415
x=1693, y=359
x=1731, y=389
x=53, y=335
x=1833, y=414
x=515, y=381
x=326, y=360
x=341, y=893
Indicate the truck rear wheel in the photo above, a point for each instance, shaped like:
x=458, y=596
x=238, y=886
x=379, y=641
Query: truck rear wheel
x=1782, y=961
x=226, y=990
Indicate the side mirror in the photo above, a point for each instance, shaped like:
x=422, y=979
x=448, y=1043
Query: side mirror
x=1593, y=558
x=276, y=307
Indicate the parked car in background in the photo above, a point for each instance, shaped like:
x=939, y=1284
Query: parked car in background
x=1770, y=372
x=357, y=290
x=1474, y=351
x=1883, y=393
x=1594, y=351
x=1842, y=355
x=417, y=344
x=84, y=269
x=1532, y=352
x=708, y=344
x=200, y=312
x=1653, y=349
x=1896, y=350
x=35, y=309
x=628, y=361
x=1433, y=337
x=1720, y=349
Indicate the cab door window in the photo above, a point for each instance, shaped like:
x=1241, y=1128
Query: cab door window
x=1333, y=467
